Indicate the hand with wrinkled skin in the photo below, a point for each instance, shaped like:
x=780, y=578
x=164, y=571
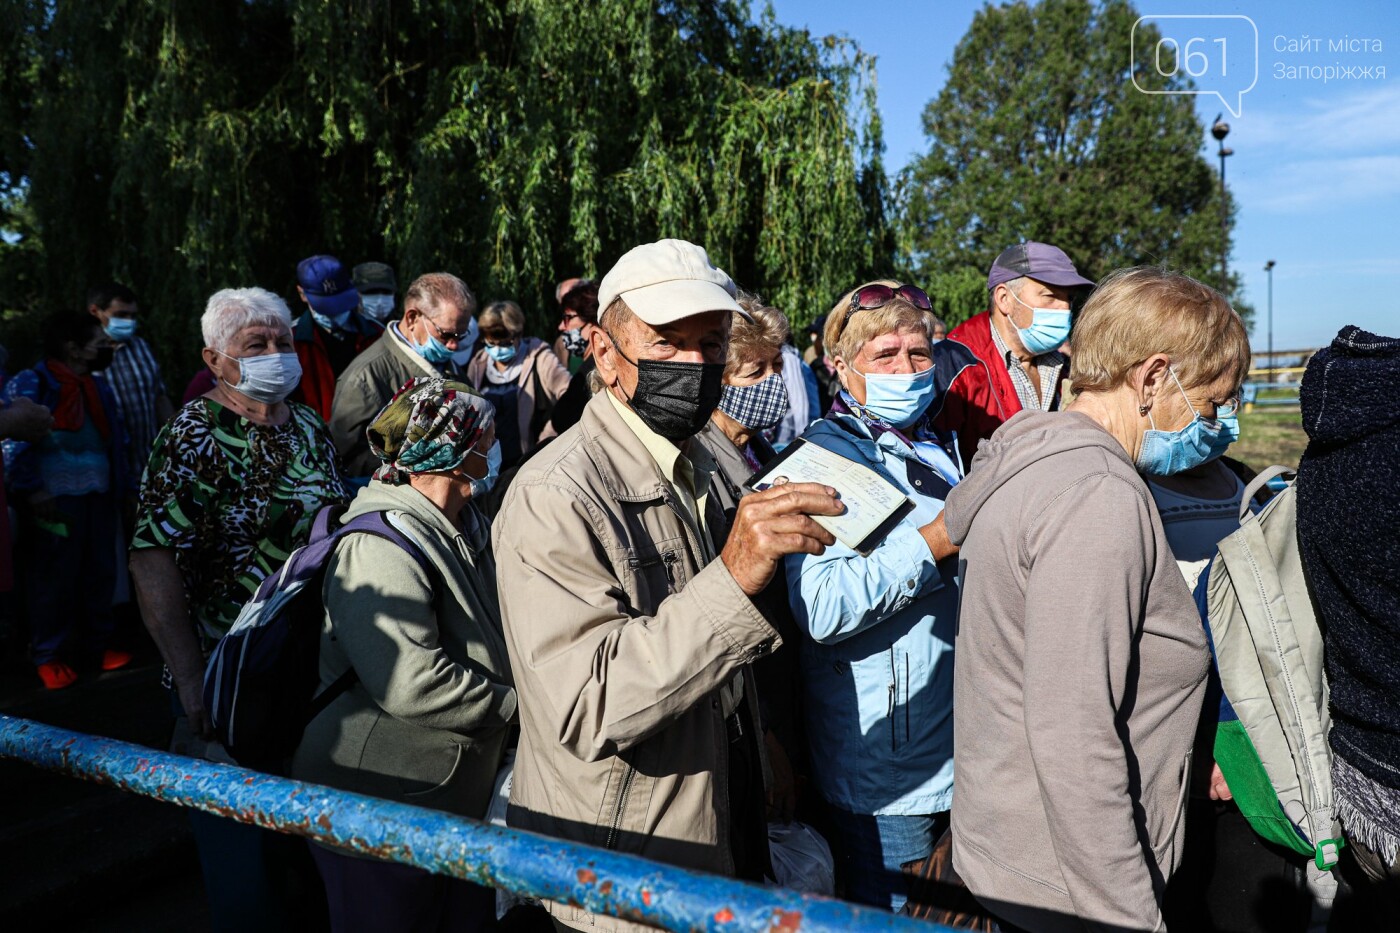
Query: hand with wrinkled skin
x=774, y=523
x=25, y=420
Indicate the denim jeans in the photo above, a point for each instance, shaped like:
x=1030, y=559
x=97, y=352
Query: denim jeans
x=872, y=849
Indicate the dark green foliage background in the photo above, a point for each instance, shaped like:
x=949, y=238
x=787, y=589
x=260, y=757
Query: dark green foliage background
x=185, y=147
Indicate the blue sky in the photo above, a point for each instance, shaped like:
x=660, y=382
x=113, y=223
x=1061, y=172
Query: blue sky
x=1316, y=169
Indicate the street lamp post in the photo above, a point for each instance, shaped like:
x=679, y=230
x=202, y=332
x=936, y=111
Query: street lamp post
x=1220, y=130
x=1269, y=268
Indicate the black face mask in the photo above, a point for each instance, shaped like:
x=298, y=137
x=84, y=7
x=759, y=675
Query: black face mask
x=675, y=399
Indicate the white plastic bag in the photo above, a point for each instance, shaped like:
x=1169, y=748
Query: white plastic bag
x=500, y=794
x=801, y=858
x=496, y=816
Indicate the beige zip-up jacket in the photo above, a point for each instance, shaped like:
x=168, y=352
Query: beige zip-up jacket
x=620, y=639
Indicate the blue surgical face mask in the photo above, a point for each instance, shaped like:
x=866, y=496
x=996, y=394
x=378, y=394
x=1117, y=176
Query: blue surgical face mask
x=898, y=399
x=502, y=354
x=434, y=351
x=1049, y=328
x=268, y=378
x=1165, y=453
x=121, y=328
x=481, y=487
x=331, y=321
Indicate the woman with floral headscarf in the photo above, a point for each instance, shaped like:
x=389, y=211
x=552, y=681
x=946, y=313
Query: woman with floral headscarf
x=427, y=717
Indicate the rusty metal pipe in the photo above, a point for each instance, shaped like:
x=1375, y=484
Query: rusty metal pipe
x=526, y=863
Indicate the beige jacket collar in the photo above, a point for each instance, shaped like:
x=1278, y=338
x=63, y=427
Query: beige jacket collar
x=399, y=342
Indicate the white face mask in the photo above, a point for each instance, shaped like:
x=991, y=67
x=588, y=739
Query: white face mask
x=481, y=487
x=379, y=307
x=268, y=378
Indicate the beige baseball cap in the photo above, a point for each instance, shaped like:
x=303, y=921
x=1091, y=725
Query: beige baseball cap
x=667, y=281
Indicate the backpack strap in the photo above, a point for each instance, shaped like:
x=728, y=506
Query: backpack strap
x=370, y=523
x=1258, y=483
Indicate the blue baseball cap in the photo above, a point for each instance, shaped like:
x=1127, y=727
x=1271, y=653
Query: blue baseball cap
x=327, y=286
x=1039, y=261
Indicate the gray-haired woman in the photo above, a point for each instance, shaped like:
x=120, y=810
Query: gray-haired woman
x=233, y=484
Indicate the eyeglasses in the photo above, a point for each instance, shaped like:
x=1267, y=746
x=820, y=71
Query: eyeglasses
x=1226, y=409
x=870, y=297
x=444, y=335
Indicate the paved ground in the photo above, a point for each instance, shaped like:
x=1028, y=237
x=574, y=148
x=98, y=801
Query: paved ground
x=80, y=856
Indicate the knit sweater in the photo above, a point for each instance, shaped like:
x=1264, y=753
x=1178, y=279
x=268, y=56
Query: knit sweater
x=1348, y=500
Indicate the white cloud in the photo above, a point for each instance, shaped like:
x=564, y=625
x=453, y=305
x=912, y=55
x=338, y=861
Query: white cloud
x=1348, y=123
x=1320, y=183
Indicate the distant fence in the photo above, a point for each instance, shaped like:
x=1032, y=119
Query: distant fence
x=526, y=863
x=1275, y=386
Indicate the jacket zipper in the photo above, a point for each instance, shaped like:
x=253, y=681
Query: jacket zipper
x=621, y=806
x=894, y=697
x=668, y=560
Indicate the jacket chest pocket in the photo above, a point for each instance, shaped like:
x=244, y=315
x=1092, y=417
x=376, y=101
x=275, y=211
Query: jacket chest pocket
x=654, y=575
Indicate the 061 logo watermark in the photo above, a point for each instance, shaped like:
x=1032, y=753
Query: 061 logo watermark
x=1218, y=53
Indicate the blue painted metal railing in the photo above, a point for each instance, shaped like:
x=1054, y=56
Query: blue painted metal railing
x=526, y=863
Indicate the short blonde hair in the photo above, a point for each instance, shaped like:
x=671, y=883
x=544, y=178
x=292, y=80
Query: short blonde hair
x=759, y=339
x=846, y=342
x=430, y=291
x=502, y=319
x=1141, y=311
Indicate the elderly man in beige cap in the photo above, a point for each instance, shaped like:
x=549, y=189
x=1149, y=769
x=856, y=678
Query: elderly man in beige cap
x=627, y=603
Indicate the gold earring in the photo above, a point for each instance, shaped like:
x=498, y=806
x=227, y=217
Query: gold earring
x=1142, y=409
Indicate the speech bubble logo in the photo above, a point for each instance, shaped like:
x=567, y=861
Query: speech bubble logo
x=1218, y=52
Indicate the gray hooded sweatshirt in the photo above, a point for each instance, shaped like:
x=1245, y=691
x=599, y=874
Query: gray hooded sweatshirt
x=1080, y=674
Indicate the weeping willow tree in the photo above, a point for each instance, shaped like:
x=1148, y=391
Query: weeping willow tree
x=185, y=147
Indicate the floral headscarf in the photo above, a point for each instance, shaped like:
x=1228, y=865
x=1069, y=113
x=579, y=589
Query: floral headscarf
x=430, y=424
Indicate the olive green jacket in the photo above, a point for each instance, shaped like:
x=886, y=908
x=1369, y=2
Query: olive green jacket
x=427, y=721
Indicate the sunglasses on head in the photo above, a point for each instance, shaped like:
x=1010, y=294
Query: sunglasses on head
x=870, y=297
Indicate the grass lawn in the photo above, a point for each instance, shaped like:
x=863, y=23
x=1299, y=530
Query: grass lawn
x=1269, y=436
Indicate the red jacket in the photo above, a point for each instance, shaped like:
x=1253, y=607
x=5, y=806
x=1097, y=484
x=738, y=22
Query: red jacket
x=980, y=397
x=317, y=387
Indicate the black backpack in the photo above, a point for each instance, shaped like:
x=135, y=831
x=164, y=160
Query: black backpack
x=260, y=683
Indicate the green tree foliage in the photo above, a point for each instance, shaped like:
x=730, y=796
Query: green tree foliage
x=185, y=147
x=1039, y=134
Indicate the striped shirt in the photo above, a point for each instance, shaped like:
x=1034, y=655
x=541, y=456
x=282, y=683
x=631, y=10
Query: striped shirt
x=136, y=381
x=1048, y=365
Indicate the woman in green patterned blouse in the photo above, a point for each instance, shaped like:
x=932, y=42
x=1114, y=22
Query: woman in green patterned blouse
x=232, y=486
